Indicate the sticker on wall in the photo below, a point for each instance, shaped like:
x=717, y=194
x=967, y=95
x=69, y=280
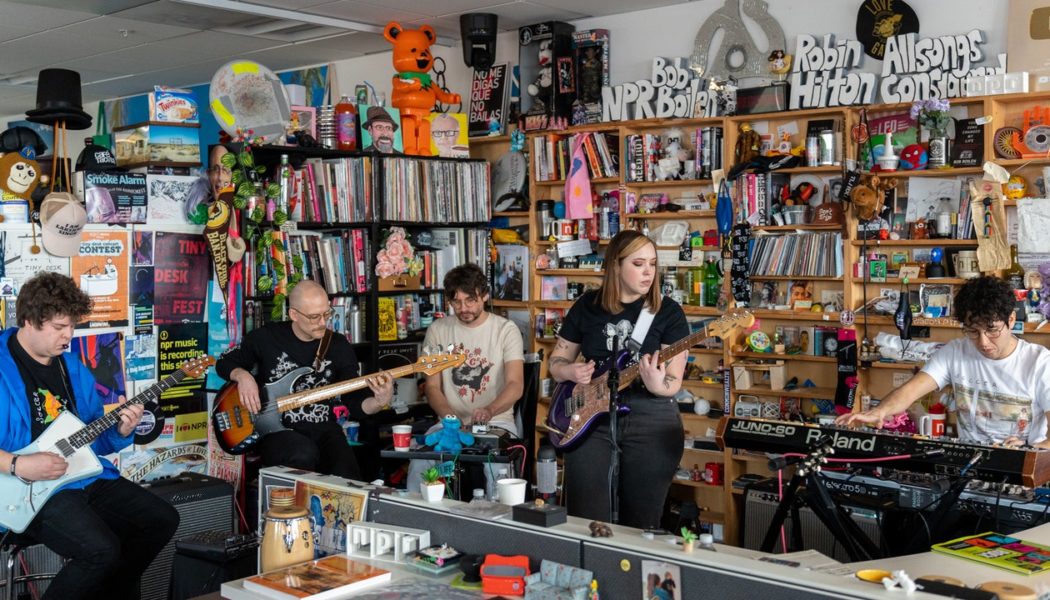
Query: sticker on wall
x=879, y=20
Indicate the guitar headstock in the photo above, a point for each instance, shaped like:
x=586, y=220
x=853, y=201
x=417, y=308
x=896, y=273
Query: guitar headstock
x=733, y=319
x=197, y=367
x=431, y=364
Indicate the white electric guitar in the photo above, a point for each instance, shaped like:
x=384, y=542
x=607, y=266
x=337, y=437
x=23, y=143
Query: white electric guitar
x=68, y=437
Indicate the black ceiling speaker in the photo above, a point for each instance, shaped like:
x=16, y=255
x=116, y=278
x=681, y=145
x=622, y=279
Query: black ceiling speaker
x=479, y=39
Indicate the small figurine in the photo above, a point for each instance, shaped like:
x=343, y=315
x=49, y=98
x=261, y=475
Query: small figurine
x=696, y=474
x=449, y=438
x=494, y=126
x=748, y=144
x=779, y=63
x=599, y=529
x=590, y=76
x=593, y=595
x=543, y=86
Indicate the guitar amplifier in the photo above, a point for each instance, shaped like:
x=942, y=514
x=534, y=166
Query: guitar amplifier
x=204, y=503
x=40, y=560
x=761, y=505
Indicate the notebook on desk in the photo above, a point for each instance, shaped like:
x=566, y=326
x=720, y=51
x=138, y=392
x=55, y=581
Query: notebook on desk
x=998, y=550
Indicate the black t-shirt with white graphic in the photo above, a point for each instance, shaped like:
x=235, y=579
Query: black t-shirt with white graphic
x=47, y=388
x=587, y=324
x=272, y=351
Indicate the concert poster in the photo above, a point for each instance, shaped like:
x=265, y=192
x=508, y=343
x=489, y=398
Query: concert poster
x=140, y=357
x=150, y=464
x=101, y=271
x=103, y=355
x=177, y=344
x=142, y=299
x=331, y=509
x=142, y=248
x=219, y=334
x=181, y=271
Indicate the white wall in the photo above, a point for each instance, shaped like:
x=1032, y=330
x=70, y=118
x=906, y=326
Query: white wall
x=639, y=36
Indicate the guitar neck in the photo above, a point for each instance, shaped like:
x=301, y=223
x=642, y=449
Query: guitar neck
x=305, y=397
x=628, y=375
x=94, y=429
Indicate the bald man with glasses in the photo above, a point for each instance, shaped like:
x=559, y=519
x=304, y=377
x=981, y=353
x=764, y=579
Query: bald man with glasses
x=1000, y=383
x=315, y=441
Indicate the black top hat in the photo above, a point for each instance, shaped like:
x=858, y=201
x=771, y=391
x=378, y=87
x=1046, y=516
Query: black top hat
x=378, y=114
x=58, y=99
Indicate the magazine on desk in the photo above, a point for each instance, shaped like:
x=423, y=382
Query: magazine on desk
x=329, y=577
x=998, y=550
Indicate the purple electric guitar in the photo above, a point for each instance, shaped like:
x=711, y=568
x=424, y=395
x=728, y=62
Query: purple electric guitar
x=574, y=407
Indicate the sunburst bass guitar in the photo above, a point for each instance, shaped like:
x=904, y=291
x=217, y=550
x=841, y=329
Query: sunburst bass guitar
x=574, y=407
x=68, y=437
x=237, y=430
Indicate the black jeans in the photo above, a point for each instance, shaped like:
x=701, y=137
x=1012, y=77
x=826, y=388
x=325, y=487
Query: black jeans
x=322, y=448
x=110, y=531
x=651, y=442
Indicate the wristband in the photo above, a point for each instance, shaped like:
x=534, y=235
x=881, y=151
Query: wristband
x=11, y=469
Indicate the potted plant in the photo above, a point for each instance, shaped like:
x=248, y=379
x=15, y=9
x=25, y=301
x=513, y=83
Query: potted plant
x=251, y=195
x=688, y=540
x=433, y=485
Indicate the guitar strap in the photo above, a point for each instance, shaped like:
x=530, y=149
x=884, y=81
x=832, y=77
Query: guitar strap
x=322, y=349
x=641, y=329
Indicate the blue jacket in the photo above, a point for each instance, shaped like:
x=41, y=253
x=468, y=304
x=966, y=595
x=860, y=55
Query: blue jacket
x=15, y=430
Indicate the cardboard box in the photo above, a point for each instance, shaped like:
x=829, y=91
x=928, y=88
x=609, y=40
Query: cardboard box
x=547, y=515
x=551, y=107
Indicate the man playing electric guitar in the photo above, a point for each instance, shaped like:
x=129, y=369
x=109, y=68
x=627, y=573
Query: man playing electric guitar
x=314, y=440
x=109, y=528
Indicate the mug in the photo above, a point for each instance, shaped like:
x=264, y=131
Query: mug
x=564, y=229
x=932, y=425
x=965, y=263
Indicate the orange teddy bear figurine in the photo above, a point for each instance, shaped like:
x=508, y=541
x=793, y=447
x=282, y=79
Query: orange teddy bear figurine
x=414, y=94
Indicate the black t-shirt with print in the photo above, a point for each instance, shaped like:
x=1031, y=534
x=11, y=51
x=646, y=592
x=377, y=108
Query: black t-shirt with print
x=586, y=321
x=272, y=351
x=47, y=388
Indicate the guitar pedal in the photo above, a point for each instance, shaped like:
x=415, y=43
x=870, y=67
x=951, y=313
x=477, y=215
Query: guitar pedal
x=479, y=428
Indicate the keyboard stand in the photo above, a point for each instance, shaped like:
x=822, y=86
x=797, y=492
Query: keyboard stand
x=816, y=496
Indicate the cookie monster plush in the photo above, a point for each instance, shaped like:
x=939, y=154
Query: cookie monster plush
x=449, y=438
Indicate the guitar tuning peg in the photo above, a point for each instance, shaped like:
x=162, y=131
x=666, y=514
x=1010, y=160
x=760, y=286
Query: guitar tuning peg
x=451, y=348
x=426, y=350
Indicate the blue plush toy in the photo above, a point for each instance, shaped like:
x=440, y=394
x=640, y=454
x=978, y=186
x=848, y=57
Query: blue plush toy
x=449, y=438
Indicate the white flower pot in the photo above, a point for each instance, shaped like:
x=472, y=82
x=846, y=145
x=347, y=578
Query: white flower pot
x=432, y=492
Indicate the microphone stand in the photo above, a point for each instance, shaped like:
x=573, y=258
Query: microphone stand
x=614, y=433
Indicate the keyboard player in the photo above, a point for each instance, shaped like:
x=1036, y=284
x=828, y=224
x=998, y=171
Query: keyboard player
x=1001, y=383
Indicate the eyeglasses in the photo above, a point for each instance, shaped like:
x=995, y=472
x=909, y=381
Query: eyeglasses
x=447, y=133
x=469, y=301
x=219, y=169
x=990, y=333
x=315, y=318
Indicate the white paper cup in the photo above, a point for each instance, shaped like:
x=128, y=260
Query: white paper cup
x=402, y=437
x=511, y=491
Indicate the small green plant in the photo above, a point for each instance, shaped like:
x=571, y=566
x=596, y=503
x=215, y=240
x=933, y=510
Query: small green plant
x=247, y=180
x=432, y=476
x=687, y=535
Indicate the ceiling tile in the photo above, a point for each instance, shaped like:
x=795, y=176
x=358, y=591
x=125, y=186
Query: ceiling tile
x=146, y=57
x=438, y=8
x=32, y=17
x=219, y=44
x=606, y=7
x=186, y=15
x=366, y=13
x=517, y=14
x=95, y=7
x=290, y=57
x=290, y=4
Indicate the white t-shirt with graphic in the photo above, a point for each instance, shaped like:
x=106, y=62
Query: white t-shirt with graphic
x=995, y=399
x=478, y=381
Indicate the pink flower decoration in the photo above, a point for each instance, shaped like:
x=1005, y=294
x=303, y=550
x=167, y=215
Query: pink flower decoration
x=384, y=269
x=394, y=251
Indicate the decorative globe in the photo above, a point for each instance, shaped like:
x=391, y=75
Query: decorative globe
x=914, y=157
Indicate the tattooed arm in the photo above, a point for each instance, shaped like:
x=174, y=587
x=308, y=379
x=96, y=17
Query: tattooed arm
x=562, y=364
x=662, y=377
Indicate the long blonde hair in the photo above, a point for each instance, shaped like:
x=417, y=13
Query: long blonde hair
x=625, y=243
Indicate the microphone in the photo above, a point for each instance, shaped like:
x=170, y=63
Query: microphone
x=546, y=471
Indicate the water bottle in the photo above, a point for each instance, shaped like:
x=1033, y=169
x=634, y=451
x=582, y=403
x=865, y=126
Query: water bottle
x=354, y=324
x=490, y=484
x=546, y=472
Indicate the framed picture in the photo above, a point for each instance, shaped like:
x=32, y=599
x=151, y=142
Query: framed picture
x=304, y=118
x=380, y=129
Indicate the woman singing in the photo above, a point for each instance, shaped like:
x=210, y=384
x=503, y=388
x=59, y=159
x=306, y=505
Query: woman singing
x=651, y=436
